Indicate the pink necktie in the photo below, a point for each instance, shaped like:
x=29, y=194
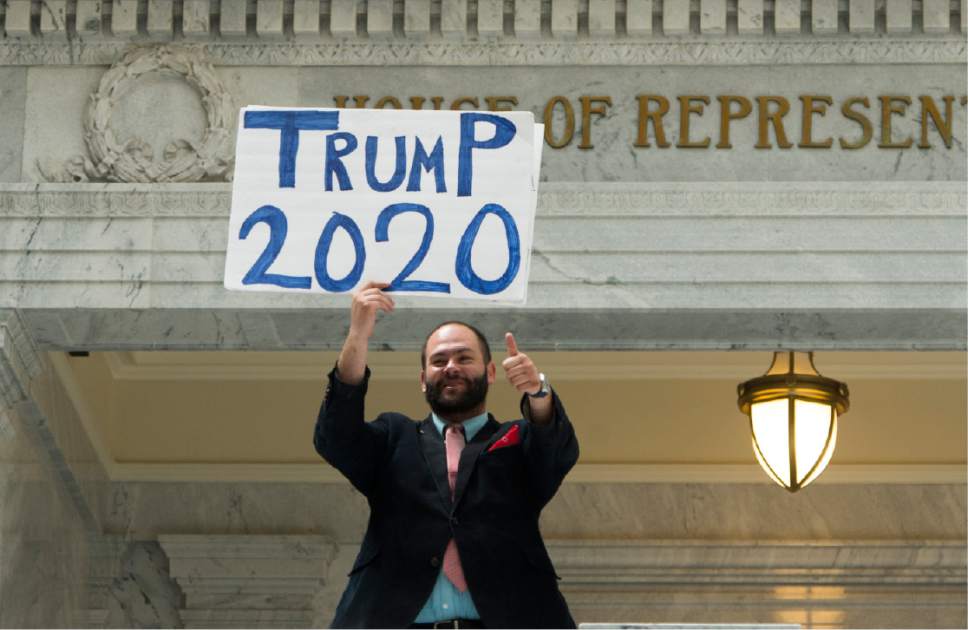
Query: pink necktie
x=454, y=442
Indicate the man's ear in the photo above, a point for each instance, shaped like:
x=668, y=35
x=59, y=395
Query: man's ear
x=423, y=381
x=491, y=373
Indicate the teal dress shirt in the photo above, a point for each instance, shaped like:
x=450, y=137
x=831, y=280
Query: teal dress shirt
x=445, y=601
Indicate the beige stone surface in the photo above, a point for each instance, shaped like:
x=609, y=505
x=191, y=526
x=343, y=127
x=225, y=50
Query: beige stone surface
x=749, y=16
x=232, y=20
x=160, y=18
x=786, y=16
x=861, y=18
x=379, y=18
x=268, y=19
x=675, y=18
x=712, y=17
x=305, y=19
x=124, y=18
x=527, y=19
x=564, y=19
x=195, y=18
x=13, y=87
x=824, y=16
x=53, y=19
x=416, y=18
x=899, y=16
x=601, y=18
x=490, y=18
x=936, y=16
x=638, y=15
x=17, y=19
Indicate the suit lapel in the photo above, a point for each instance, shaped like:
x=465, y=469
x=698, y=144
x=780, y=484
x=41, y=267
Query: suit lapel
x=468, y=457
x=432, y=447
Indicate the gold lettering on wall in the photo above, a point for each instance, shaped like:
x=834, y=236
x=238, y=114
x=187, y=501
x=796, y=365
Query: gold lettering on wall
x=889, y=107
x=591, y=105
x=928, y=108
x=646, y=115
x=690, y=105
x=388, y=100
x=727, y=115
x=776, y=118
x=695, y=127
x=867, y=129
x=813, y=105
x=548, y=118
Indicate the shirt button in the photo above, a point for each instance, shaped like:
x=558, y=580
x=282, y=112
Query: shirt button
x=435, y=561
x=453, y=521
x=446, y=606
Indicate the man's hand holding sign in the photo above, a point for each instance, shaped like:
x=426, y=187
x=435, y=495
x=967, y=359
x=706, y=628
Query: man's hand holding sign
x=431, y=204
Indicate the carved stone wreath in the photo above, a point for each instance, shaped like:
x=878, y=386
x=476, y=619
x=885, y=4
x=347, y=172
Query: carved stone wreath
x=210, y=159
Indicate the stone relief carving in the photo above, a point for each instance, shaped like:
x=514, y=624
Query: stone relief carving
x=113, y=160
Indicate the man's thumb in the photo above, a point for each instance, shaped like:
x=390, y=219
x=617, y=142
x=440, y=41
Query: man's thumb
x=511, y=344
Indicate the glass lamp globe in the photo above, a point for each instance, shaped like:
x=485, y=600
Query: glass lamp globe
x=793, y=413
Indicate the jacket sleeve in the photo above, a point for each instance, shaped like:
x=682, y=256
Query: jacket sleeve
x=551, y=451
x=354, y=447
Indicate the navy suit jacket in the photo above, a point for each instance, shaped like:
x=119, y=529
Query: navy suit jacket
x=400, y=466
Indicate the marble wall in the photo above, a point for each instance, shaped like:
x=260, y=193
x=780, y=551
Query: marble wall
x=44, y=545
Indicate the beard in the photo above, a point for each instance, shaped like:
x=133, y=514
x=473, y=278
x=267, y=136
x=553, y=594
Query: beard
x=475, y=391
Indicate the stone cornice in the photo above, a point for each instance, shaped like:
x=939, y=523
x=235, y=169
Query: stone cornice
x=554, y=199
x=641, y=564
x=678, y=52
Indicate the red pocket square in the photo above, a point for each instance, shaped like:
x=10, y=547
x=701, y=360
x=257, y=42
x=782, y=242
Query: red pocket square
x=512, y=437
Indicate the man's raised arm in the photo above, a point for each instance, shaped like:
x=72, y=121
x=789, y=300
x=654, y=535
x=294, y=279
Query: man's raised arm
x=351, y=366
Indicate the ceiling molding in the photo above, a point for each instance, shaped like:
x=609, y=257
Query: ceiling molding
x=91, y=426
x=565, y=366
x=581, y=473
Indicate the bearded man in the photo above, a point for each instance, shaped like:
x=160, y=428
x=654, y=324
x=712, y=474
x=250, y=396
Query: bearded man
x=452, y=539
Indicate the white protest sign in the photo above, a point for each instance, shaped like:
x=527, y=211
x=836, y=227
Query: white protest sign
x=436, y=203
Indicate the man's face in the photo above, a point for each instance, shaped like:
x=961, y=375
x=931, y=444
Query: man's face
x=455, y=379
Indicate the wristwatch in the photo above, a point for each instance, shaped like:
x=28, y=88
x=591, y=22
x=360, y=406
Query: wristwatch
x=544, y=390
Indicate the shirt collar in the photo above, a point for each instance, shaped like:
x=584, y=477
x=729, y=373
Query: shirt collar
x=471, y=426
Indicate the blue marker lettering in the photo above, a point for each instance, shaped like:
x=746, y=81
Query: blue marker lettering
x=433, y=162
x=504, y=131
x=399, y=169
x=334, y=162
x=290, y=123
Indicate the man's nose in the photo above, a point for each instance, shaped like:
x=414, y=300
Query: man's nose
x=451, y=368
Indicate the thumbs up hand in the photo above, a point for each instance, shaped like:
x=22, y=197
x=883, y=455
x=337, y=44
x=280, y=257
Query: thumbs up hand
x=520, y=370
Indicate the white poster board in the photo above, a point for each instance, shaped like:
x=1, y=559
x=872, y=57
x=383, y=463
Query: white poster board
x=436, y=203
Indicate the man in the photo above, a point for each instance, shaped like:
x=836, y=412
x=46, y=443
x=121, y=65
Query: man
x=453, y=530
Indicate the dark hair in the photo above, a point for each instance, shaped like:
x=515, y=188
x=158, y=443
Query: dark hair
x=485, y=348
